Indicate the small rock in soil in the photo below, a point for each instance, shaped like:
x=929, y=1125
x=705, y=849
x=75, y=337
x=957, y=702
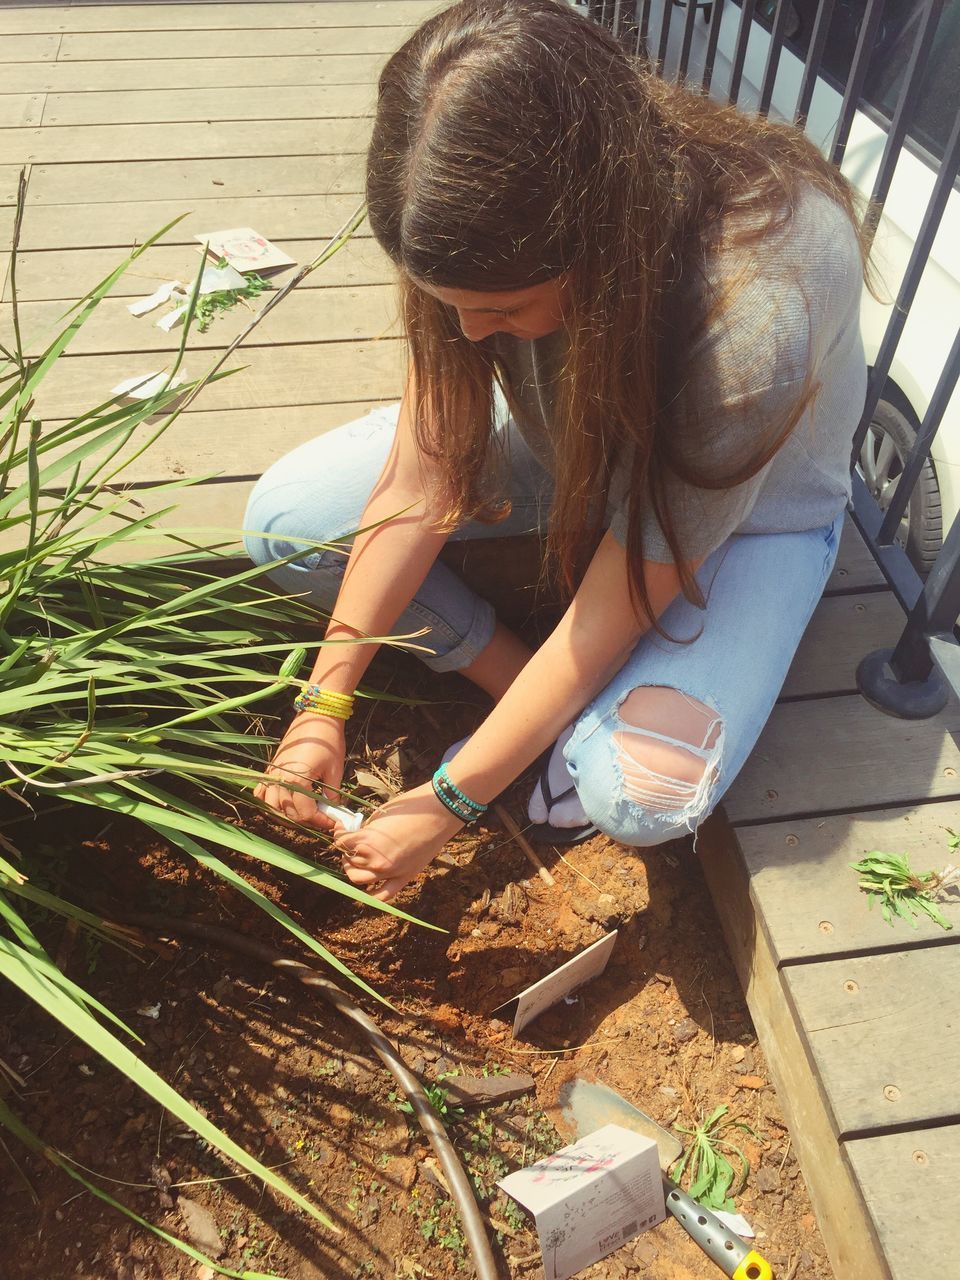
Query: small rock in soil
x=752, y=1082
x=419, y=1065
x=200, y=1226
x=369, y=1212
x=340, y=1115
x=738, y=1053
x=767, y=1179
x=686, y=1029
x=602, y=911
x=644, y=1252
x=403, y=1170
x=473, y=1091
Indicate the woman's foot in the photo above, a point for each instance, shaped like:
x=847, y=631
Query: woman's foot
x=554, y=799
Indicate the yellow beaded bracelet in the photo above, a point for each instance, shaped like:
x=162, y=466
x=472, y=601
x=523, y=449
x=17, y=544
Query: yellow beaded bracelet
x=324, y=702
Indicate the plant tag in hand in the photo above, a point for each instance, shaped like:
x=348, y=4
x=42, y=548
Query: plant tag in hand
x=589, y=964
x=591, y=1197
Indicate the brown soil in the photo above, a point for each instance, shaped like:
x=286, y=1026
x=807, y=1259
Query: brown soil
x=666, y=1025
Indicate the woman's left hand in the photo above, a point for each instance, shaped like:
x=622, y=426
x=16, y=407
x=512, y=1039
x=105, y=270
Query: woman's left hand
x=397, y=842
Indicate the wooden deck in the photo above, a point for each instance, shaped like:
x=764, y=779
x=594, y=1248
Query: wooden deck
x=258, y=114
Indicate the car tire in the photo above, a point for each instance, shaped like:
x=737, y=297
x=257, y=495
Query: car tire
x=882, y=458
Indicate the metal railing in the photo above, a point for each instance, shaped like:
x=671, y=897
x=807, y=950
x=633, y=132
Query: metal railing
x=913, y=679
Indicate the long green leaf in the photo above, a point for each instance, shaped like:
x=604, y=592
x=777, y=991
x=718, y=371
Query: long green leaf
x=15, y=1126
x=14, y=967
x=271, y=909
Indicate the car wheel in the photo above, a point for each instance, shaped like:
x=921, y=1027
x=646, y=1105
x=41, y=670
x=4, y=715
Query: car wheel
x=882, y=457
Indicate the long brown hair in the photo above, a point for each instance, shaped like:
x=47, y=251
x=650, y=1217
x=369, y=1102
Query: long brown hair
x=516, y=140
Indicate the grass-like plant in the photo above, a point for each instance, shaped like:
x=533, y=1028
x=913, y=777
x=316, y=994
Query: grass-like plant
x=128, y=680
x=887, y=879
x=711, y=1177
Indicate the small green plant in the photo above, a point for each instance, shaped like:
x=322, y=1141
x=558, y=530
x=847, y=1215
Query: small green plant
x=711, y=1178
x=210, y=305
x=887, y=878
x=437, y=1095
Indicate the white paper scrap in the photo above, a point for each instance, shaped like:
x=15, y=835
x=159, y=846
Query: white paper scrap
x=736, y=1222
x=214, y=279
x=145, y=385
x=167, y=322
x=591, y=1197
x=156, y=299
x=555, y=986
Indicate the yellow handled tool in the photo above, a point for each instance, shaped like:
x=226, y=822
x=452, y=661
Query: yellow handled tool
x=587, y=1106
x=731, y=1254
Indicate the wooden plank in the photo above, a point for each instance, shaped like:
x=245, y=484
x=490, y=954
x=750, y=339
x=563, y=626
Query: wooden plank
x=154, y=106
x=87, y=226
x=841, y=631
x=271, y=377
x=181, y=73
x=267, y=43
x=884, y=1033
x=190, y=17
x=806, y=896
x=20, y=109
x=189, y=179
x=911, y=1185
x=28, y=48
x=847, y=1229
x=70, y=273
x=9, y=177
x=54, y=144
x=237, y=444
x=345, y=314
x=841, y=754
x=855, y=567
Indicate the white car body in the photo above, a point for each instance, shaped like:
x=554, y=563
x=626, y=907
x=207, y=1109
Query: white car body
x=935, y=314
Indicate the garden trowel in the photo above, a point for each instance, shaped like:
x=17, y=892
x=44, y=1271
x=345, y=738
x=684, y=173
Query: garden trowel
x=587, y=1107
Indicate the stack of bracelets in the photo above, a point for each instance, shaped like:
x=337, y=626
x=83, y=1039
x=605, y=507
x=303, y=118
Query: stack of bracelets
x=324, y=702
x=450, y=795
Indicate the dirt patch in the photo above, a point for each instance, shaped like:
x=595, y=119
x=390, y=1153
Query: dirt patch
x=666, y=1025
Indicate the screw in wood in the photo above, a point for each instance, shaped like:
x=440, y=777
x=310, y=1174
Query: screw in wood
x=825, y=926
x=921, y=1158
x=891, y=1093
x=792, y=840
x=851, y=987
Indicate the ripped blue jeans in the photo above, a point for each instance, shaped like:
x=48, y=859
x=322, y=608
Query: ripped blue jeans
x=640, y=777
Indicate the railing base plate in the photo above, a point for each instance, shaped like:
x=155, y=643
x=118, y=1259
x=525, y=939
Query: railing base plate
x=917, y=700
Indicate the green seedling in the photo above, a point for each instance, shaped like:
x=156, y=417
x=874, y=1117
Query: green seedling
x=712, y=1179
x=437, y=1096
x=887, y=878
x=210, y=305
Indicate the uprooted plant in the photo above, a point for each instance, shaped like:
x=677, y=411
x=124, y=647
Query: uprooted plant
x=121, y=669
x=888, y=879
x=711, y=1177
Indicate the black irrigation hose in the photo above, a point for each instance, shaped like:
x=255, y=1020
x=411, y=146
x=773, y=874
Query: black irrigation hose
x=460, y=1189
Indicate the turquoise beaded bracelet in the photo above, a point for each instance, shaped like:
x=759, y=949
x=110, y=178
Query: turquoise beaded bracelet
x=450, y=795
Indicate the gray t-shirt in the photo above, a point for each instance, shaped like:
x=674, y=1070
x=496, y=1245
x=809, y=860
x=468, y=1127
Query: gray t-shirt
x=799, y=305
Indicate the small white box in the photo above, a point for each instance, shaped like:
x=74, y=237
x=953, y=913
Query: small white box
x=590, y=1198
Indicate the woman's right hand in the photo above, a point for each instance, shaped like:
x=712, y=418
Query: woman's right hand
x=312, y=750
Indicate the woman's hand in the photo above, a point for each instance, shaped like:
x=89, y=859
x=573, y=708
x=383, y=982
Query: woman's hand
x=312, y=750
x=397, y=842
